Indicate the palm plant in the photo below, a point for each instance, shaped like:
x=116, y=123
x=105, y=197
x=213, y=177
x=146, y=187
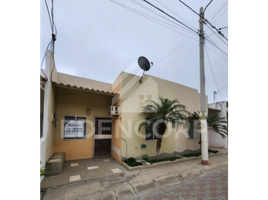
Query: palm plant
x=216, y=123
x=161, y=114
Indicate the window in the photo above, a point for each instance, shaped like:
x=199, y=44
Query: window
x=75, y=127
x=149, y=134
x=192, y=133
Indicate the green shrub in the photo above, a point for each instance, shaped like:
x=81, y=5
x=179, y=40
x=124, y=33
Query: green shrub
x=165, y=159
x=212, y=151
x=132, y=162
x=146, y=158
x=131, y=159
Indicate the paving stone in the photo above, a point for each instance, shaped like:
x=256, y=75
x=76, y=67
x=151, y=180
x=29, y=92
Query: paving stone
x=116, y=170
x=92, y=167
x=146, y=186
x=75, y=178
x=125, y=193
x=167, y=181
x=106, y=160
x=107, y=196
x=74, y=164
x=212, y=186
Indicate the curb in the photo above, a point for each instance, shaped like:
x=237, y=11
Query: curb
x=183, y=159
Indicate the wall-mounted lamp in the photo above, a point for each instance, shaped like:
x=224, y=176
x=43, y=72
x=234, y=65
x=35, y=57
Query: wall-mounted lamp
x=88, y=111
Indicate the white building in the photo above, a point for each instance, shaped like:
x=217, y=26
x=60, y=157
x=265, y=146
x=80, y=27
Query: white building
x=215, y=139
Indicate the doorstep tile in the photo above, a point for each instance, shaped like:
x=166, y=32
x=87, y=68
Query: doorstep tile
x=92, y=167
x=75, y=178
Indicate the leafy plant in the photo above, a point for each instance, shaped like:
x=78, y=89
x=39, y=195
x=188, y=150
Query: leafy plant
x=44, y=172
x=146, y=158
x=132, y=162
x=167, y=111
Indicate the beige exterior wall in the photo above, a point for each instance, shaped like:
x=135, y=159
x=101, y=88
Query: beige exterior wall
x=48, y=128
x=134, y=94
x=75, y=103
x=116, y=130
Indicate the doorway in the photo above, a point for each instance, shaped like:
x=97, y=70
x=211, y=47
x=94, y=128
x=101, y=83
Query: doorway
x=102, y=136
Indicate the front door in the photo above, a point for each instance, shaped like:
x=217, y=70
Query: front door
x=103, y=136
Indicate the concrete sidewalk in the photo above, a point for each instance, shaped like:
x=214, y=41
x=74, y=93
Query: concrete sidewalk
x=133, y=185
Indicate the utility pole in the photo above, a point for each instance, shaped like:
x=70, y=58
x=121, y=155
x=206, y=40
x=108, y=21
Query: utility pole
x=203, y=109
x=214, y=95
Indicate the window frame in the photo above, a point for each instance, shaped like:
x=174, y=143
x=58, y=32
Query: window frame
x=192, y=136
x=85, y=128
x=148, y=139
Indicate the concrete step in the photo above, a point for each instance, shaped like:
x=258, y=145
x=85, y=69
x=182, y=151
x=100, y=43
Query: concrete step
x=55, y=164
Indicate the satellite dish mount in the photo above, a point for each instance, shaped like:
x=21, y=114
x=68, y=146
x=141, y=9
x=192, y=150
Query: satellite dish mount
x=144, y=65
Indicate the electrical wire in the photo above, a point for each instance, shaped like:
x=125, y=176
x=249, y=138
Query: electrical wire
x=223, y=87
x=172, y=21
x=219, y=10
x=216, y=34
x=220, y=15
x=217, y=54
x=219, y=32
x=171, y=53
x=169, y=16
x=44, y=57
x=49, y=16
x=213, y=73
x=176, y=14
x=144, y=15
x=209, y=40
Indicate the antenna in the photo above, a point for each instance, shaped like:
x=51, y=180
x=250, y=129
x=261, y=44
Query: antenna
x=144, y=65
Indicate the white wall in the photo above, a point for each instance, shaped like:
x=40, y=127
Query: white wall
x=215, y=139
x=47, y=141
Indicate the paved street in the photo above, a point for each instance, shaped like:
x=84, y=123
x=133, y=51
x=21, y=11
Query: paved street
x=212, y=186
x=187, y=179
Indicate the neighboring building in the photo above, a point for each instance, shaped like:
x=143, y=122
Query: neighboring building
x=76, y=119
x=215, y=139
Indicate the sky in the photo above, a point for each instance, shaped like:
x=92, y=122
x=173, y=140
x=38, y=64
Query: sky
x=100, y=39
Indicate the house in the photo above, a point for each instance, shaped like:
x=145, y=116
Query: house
x=216, y=140
x=76, y=119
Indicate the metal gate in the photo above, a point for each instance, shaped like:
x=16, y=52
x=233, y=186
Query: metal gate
x=102, y=136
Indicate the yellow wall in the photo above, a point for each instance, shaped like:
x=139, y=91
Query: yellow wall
x=75, y=103
x=116, y=134
x=131, y=104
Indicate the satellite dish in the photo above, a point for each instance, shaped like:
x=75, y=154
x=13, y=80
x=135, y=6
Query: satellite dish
x=144, y=65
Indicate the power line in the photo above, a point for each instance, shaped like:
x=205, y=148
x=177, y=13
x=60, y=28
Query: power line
x=204, y=19
x=177, y=15
x=219, y=10
x=209, y=40
x=171, y=53
x=170, y=16
x=224, y=87
x=217, y=54
x=220, y=15
x=216, y=34
x=144, y=15
x=213, y=74
x=172, y=21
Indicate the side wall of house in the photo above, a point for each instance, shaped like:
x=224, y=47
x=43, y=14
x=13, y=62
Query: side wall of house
x=116, y=121
x=47, y=141
x=133, y=98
